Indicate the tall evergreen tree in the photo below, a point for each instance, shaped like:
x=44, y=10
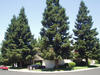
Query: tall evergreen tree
x=18, y=38
x=55, y=33
x=6, y=47
x=85, y=35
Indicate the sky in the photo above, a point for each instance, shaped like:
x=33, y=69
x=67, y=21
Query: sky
x=34, y=11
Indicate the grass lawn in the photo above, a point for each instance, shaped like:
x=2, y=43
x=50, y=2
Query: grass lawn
x=18, y=68
x=98, y=65
x=79, y=67
x=37, y=70
x=85, y=67
x=74, y=68
x=49, y=69
x=54, y=69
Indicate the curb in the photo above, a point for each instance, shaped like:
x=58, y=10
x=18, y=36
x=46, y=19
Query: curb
x=30, y=71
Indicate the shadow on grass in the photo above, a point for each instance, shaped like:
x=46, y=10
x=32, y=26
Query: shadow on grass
x=59, y=69
x=17, y=67
x=68, y=69
x=92, y=66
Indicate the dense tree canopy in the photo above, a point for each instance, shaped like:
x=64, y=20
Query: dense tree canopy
x=55, y=33
x=17, y=46
x=85, y=35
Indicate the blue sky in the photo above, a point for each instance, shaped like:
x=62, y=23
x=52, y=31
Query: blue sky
x=35, y=8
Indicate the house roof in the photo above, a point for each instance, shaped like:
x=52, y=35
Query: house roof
x=37, y=57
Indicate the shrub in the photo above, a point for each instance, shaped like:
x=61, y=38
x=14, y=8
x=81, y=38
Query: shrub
x=1, y=60
x=38, y=63
x=96, y=62
x=67, y=65
x=89, y=62
x=71, y=64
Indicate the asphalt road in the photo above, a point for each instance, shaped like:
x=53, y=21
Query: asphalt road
x=88, y=72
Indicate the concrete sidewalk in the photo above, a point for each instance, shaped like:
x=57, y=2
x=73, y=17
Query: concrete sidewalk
x=32, y=71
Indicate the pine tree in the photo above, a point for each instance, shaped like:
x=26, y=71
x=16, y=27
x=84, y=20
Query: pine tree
x=8, y=42
x=96, y=51
x=85, y=35
x=17, y=46
x=55, y=35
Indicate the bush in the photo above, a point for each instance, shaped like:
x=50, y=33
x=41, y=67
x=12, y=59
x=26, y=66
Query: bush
x=38, y=63
x=1, y=60
x=71, y=64
x=67, y=65
x=96, y=62
x=89, y=62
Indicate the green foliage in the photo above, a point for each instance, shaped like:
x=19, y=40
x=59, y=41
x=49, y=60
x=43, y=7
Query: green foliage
x=89, y=62
x=85, y=36
x=96, y=62
x=75, y=55
x=1, y=60
x=18, y=43
x=55, y=33
x=96, y=53
x=29, y=57
x=50, y=55
x=71, y=64
x=67, y=66
x=38, y=63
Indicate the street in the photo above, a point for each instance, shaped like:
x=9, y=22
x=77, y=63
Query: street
x=88, y=72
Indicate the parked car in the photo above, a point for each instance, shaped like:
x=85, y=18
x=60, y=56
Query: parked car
x=31, y=67
x=3, y=67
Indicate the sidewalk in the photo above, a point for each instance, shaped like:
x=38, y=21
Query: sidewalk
x=32, y=71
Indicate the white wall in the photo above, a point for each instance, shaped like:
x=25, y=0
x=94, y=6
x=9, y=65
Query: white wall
x=48, y=63
x=51, y=63
x=62, y=62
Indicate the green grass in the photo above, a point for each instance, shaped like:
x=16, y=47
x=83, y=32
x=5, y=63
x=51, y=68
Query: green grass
x=79, y=67
x=74, y=68
x=92, y=66
x=98, y=65
x=16, y=68
x=85, y=67
x=37, y=70
x=64, y=69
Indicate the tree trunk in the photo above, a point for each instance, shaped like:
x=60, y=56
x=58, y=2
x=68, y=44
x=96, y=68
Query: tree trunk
x=20, y=64
x=56, y=63
x=86, y=61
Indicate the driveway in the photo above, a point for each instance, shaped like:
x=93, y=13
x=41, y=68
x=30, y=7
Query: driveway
x=86, y=72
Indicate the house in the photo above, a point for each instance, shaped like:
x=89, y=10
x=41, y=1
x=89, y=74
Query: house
x=49, y=63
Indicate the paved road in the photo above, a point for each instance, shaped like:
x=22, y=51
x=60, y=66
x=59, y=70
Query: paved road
x=89, y=72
